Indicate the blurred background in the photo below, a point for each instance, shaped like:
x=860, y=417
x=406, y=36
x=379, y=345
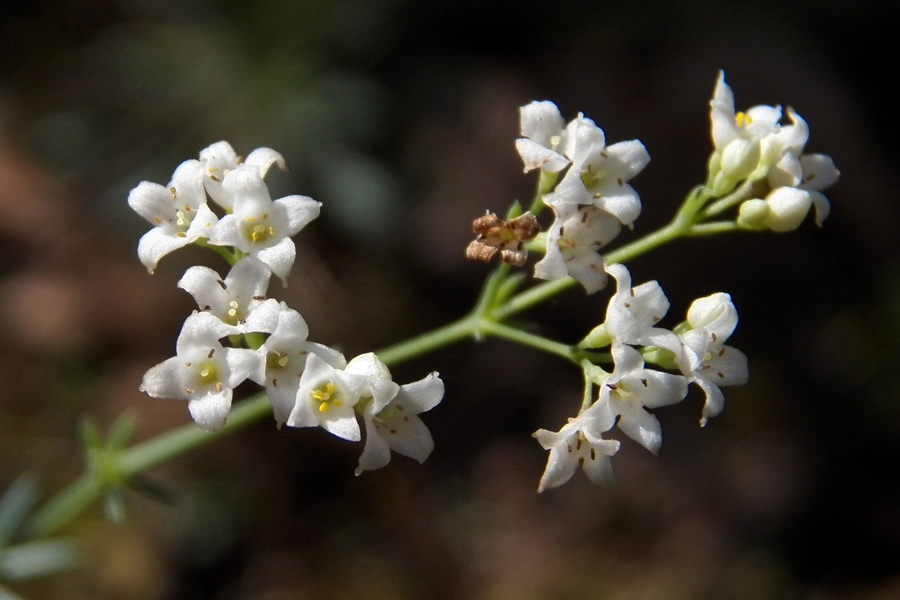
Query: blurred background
x=400, y=116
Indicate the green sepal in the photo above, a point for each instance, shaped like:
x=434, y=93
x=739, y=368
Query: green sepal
x=659, y=356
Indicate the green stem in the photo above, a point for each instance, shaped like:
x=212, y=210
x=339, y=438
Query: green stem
x=222, y=251
x=723, y=204
x=713, y=228
x=528, y=339
x=544, y=186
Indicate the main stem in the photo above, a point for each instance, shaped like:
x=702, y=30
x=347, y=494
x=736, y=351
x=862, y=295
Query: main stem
x=485, y=319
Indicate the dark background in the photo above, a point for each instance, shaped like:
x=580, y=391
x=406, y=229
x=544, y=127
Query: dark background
x=400, y=117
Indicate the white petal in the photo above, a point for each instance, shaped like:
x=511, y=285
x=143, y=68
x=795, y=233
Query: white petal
x=412, y=440
x=540, y=121
x=626, y=159
x=248, y=278
x=422, y=395
x=536, y=156
x=638, y=424
x=264, y=158
x=301, y=210
x=158, y=242
x=715, y=400
x=787, y=172
x=655, y=388
x=164, y=380
x=279, y=258
x=343, y=424
x=211, y=410
x=377, y=453
x=583, y=139
x=728, y=366
x=244, y=364
x=819, y=171
x=205, y=286
x=823, y=207
x=202, y=330
x=561, y=465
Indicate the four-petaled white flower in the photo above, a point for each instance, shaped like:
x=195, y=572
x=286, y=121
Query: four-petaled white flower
x=706, y=360
x=203, y=371
x=573, y=243
x=600, y=173
x=285, y=354
x=240, y=299
x=396, y=426
x=220, y=158
x=178, y=213
x=631, y=388
x=259, y=226
x=326, y=397
x=579, y=442
x=632, y=313
x=544, y=138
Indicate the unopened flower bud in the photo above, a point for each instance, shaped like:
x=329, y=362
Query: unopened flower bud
x=598, y=338
x=787, y=208
x=741, y=157
x=753, y=214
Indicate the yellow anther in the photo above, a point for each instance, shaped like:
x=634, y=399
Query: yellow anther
x=172, y=191
x=251, y=219
x=323, y=407
x=741, y=119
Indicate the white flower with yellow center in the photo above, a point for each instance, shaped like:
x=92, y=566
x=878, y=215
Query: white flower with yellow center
x=706, y=360
x=178, y=213
x=579, y=443
x=631, y=388
x=259, y=226
x=573, y=245
x=600, y=173
x=326, y=397
x=203, y=371
x=240, y=299
x=285, y=353
x=219, y=159
x=395, y=425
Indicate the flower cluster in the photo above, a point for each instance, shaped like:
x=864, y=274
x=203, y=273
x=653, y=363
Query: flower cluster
x=695, y=348
x=592, y=202
x=308, y=384
x=753, y=146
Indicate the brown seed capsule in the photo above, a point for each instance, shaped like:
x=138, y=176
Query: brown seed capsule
x=496, y=234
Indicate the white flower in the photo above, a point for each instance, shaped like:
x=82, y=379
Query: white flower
x=178, y=213
x=220, y=158
x=240, y=299
x=797, y=180
x=260, y=227
x=203, y=372
x=326, y=397
x=631, y=388
x=396, y=426
x=285, y=354
x=579, y=442
x=706, y=360
x=632, y=313
x=573, y=243
x=599, y=174
x=544, y=137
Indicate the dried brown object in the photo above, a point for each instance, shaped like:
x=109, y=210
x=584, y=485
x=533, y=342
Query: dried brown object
x=506, y=237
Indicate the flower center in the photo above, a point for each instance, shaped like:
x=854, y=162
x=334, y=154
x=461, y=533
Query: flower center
x=554, y=142
x=256, y=231
x=742, y=119
x=326, y=396
x=234, y=316
x=590, y=178
x=276, y=360
x=183, y=218
x=207, y=373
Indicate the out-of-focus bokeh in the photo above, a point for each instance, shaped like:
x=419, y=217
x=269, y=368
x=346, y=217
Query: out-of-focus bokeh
x=400, y=116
